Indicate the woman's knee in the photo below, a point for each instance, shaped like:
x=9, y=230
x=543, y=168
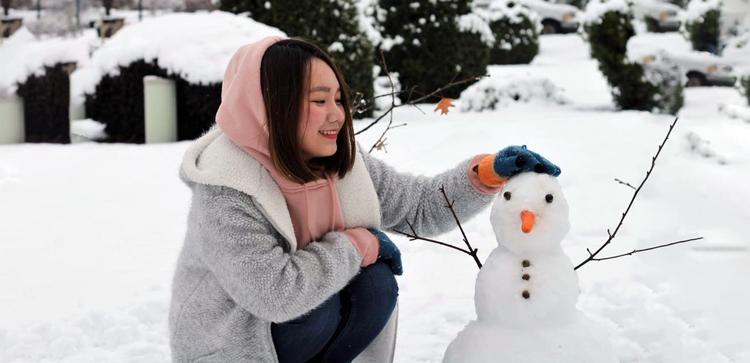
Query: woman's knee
x=376, y=281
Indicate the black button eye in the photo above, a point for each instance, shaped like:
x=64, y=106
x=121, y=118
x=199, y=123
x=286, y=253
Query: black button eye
x=549, y=198
x=506, y=195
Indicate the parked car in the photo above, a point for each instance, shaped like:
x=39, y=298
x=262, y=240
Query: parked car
x=659, y=15
x=554, y=17
x=699, y=68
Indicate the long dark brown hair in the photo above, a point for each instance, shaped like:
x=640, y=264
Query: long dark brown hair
x=285, y=79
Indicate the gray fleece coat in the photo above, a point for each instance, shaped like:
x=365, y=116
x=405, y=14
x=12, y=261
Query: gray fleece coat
x=240, y=269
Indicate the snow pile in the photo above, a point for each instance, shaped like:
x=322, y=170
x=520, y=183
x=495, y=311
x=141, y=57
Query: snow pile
x=22, y=56
x=473, y=23
x=493, y=93
x=512, y=10
x=702, y=147
x=595, y=9
x=87, y=130
x=195, y=46
x=527, y=289
x=697, y=8
x=735, y=111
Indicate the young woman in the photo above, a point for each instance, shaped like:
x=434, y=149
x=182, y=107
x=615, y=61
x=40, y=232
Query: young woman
x=284, y=259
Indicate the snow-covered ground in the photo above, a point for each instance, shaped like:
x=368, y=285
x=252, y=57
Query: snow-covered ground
x=90, y=232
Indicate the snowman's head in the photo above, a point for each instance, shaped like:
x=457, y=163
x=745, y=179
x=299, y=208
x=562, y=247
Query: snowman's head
x=530, y=214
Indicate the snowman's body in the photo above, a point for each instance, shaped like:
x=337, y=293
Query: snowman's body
x=526, y=292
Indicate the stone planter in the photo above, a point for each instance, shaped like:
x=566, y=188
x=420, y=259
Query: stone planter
x=12, y=130
x=159, y=109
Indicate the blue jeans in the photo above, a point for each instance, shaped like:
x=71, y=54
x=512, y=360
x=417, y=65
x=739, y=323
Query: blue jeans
x=342, y=326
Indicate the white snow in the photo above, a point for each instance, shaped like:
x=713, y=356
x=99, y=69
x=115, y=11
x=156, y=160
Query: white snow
x=473, y=23
x=494, y=93
x=196, y=46
x=91, y=232
x=22, y=55
x=595, y=9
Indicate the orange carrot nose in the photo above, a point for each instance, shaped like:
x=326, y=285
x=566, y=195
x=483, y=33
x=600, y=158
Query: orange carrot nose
x=527, y=221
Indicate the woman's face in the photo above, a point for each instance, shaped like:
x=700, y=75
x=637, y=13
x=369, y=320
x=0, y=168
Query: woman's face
x=322, y=113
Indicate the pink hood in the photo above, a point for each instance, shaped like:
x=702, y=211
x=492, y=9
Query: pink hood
x=314, y=207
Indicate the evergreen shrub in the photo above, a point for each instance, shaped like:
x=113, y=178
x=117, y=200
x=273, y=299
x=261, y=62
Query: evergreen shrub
x=633, y=87
x=46, y=102
x=118, y=103
x=516, y=36
x=432, y=43
x=332, y=24
x=704, y=31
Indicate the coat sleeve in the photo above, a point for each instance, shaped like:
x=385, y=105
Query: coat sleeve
x=417, y=199
x=252, y=263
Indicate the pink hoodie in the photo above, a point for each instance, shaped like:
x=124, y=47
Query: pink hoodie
x=314, y=207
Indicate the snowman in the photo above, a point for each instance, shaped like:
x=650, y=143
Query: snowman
x=526, y=292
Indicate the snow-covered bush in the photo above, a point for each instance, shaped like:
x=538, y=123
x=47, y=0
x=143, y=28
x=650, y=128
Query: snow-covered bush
x=191, y=48
x=493, y=93
x=745, y=84
x=37, y=71
x=668, y=78
x=702, y=24
x=608, y=28
x=431, y=43
x=332, y=24
x=516, y=36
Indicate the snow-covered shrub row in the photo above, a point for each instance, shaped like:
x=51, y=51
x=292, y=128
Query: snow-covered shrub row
x=702, y=24
x=37, y=71
x=333, y=25
x=431, y=43
x=493, y=93
x=193, y=49
x=658, y=88
x=516, y=36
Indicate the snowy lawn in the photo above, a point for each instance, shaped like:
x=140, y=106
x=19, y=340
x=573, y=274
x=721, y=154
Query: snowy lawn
x=90, y=233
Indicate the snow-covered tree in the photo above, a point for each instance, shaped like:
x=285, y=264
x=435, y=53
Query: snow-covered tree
x=332, y=24
x=702, y=24
x=516, y=35
x=431, y=43
x=608, y=28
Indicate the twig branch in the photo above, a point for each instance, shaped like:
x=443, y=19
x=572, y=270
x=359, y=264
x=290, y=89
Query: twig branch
x=449, y=205
x=611, y=235
x=410, y=102
x=646, y=249
x=469, y=251
x=624, y=183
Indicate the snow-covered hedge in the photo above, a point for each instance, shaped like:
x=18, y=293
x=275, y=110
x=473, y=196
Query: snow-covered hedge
x=430, y=43
x=37, y=70
x=493, y=93
x=657, y=88
x=516, y=36
x=193, y=49
x=332, y=24
x=702, y=24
